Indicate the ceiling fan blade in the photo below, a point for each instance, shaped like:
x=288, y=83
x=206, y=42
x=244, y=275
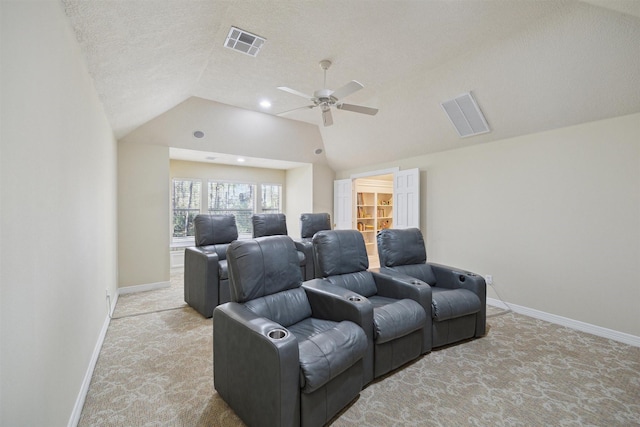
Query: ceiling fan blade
x=296, y=109
x=295, y=92
x=327, y=118
x=346, y=90
x=358, y=109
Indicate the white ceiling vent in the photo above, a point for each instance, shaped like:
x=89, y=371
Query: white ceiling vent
x=244, y=42
x=465, y=115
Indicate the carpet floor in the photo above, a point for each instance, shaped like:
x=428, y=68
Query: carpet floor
x=156, y=369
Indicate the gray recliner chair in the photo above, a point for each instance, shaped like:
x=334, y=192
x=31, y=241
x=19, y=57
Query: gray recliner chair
x=310, y=224
x=458, y=306
x=206, y=278
x=285, y=355
x=398, y=331
x=275, y=224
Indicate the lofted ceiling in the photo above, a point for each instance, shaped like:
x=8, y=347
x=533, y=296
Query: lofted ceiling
x=531, y=65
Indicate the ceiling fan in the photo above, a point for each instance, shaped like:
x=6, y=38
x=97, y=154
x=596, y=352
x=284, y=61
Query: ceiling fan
x=327, y=98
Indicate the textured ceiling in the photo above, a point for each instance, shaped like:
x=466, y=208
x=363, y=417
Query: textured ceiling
x=532, y=65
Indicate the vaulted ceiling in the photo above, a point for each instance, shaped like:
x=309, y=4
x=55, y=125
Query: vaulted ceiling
x=531, y=65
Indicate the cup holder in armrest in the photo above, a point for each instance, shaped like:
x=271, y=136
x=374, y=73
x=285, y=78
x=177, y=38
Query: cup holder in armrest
x=417, y=282
x=355, y=298
x=278, y=334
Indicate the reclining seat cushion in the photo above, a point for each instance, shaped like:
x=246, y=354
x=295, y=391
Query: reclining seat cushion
x=268, y=264
x=395, y=318
x=451, y=303
x=326, y=350
x=215, y=229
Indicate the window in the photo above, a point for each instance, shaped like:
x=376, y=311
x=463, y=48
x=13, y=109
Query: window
x=233, y=198
x=271, y=199
x=186, y=205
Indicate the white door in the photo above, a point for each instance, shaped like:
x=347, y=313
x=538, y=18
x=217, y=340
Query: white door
x=342, y=194
x=406, y=199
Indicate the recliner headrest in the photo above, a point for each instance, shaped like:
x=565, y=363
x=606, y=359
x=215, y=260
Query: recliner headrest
x=401, y=247
x=340, y=252
x=215, y=229
x=262, y=266
x=269, y=225
x=311, y=223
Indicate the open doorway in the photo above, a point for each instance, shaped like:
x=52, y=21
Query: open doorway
x=373, y=210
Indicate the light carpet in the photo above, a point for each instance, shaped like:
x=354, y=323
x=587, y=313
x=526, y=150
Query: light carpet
x=157, y=370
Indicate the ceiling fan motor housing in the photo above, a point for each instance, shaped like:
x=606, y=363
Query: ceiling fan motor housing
x=323, y=96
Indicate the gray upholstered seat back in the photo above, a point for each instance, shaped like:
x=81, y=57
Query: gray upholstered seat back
x=341, y=257
x=215, y=229
x=403, y=250
x=311, y=223
x=401, y=247
x=262, y=266
x=269, y=225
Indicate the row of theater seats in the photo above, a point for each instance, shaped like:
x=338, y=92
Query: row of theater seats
x=290, y=352
x=206, y=276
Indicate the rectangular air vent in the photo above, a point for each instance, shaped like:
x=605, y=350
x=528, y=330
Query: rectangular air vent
x=244, y=42
x=465, y=115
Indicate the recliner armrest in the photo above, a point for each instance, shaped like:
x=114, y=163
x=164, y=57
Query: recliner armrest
x=332, y=302
x=307, y=249
x=201, y=279
x=242, y=349
x=455, y=278
x=396, y=285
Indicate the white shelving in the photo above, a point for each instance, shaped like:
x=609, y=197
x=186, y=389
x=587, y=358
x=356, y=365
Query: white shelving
x=373, y=212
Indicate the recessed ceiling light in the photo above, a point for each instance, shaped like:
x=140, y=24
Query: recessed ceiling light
x=240, y=159
x=265, y=104
x=198, y=134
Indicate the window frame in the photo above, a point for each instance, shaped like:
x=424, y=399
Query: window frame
x=178, y=241
x=242, y=234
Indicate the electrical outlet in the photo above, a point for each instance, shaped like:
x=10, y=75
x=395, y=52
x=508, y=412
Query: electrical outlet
x=107, y=292
x=489, y=279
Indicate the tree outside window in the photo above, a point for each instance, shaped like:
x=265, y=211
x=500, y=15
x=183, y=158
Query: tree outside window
x=186, y=205
x=271, y=198
x=233, y=198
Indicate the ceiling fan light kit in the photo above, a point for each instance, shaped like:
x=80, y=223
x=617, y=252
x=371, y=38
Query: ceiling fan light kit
x=327, y=98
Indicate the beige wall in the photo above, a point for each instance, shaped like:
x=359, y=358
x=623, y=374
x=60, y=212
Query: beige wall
x=207, y=171
x=143, y=214
x=299, y=191
x=58, y=217
x=323, y=177
x=553, y=216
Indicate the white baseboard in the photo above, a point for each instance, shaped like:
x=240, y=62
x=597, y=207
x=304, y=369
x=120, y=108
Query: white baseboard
x=569, y=323
x=143, y=288
x=84, y=389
